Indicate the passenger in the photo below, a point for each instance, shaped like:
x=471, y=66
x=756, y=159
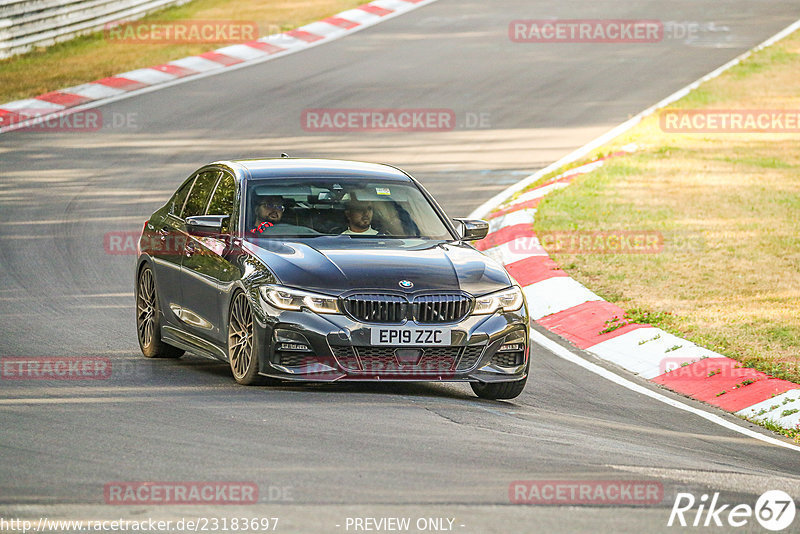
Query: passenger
x=359, y=218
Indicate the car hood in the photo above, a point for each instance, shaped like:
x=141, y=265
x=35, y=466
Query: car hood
x=334, y=267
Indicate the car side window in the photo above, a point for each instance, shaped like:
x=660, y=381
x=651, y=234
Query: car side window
x=222, y=201
x=178, y=199
x=198, y=197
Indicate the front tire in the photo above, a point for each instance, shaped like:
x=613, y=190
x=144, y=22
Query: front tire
x=241, y=349
x=499, y=390
x=148, y=319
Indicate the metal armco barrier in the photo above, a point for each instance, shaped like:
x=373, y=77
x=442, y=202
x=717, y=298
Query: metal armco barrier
x=26, y=24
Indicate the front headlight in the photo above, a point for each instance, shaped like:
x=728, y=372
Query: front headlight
x=508, y=300
x=294, y=299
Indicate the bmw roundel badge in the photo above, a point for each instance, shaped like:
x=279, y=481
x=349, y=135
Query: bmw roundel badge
x=406, y=284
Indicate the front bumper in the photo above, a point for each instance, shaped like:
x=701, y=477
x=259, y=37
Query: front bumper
x=339, y=349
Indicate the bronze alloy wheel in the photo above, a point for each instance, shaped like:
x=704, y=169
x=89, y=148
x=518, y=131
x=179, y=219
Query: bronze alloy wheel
x=244, y=364
x=148, y=324
x=146, y=308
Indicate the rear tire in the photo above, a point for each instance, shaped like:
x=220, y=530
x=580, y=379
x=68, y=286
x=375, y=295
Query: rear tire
x=148, y=319
x=499, y=390
x=241, y=349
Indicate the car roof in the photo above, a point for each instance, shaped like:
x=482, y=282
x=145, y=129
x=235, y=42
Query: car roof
x=290, y=167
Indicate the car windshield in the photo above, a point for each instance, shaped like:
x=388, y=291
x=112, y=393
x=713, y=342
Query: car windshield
x=360, y=208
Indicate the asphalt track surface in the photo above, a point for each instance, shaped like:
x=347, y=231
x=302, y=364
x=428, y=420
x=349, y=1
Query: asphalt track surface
x=417, y=450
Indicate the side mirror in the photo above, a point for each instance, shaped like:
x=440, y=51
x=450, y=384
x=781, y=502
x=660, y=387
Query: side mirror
x=473, y=229
x=205, y=225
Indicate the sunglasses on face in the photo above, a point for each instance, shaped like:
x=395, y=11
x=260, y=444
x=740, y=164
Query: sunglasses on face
x=270, y=205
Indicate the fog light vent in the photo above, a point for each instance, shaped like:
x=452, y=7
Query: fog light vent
x=507, y=359
x=291, y=341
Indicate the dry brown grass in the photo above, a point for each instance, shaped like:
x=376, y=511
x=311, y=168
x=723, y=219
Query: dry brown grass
x=728, y=205
x=92, y=57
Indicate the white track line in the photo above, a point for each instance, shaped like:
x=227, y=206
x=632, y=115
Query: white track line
x=566, y=354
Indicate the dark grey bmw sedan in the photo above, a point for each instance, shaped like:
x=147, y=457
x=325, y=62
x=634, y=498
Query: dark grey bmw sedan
x=325, y=270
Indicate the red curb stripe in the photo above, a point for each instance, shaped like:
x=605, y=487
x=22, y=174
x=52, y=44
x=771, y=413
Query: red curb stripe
x=582, y=324
x=304, y=35
x=534, y=269
x=515, y=207
x=505, y=234
x=413, y=1
x=33, y=113
x=535, y=202
x=693, y=380
x=342, y=23
x=121, y=83
x=174, y=70
x=375, y=10
x=7, y=118
x=612, y=155
x=569, y=177
x=221, y=58
x=265, y=47
x=64, y=99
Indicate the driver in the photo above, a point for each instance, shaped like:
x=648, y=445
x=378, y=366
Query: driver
x=269, y=212
x=359, y=218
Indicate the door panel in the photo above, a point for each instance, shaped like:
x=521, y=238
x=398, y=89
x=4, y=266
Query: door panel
x=205, y=265
x=165, y=245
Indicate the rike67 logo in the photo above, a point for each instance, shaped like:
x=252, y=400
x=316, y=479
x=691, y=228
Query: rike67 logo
x=774, y=510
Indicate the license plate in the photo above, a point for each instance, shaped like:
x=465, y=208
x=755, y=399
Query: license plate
x=410, y=336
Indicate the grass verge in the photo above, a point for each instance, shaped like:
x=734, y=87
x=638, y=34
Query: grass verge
x=94, y=56
x=728, y=207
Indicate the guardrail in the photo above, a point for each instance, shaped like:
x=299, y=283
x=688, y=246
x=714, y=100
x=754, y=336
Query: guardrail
x=26, y=24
